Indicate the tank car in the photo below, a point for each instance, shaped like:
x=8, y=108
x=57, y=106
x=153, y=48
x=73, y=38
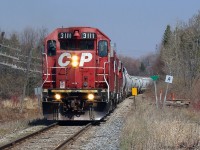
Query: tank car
x=128, y=83
x=82, y=76
x=146, y=82
x=141, y=83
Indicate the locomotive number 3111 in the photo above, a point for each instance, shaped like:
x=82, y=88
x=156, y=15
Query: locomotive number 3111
x=84, y=35
x=88, y=35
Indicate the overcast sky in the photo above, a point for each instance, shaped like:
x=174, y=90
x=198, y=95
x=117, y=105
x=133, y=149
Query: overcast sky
x=136, y=26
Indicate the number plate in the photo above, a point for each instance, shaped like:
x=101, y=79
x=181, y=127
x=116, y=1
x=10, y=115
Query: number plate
x=64, y=35
x=88, y=35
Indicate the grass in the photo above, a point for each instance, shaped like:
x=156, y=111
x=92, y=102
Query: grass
x=11, y=120
x=148, y=128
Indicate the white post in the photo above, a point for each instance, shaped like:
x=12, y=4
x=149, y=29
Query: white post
x=156, y=93
x=160, y=97
x=165, y=95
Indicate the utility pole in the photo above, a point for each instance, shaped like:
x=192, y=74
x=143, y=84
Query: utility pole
x=26, y=79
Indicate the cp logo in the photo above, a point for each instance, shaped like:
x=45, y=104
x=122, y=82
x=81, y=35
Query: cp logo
x=85, y=57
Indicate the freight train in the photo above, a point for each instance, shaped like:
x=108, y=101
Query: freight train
x=83, y=79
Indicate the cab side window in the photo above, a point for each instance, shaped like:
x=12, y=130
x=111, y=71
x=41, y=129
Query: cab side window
x=51, y=47
x=103, y=48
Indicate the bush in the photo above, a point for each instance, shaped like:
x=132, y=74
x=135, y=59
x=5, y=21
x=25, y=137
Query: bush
x=150, y=128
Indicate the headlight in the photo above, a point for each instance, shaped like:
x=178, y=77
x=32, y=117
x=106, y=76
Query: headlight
x=57, y=96
x=90, y=96
x=74, y=58
x=74, y=61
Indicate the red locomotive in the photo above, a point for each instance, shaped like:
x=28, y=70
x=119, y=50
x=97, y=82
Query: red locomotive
x=82, y=76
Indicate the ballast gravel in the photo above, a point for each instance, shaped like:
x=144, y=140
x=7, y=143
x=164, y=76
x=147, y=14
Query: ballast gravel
x=106, y=136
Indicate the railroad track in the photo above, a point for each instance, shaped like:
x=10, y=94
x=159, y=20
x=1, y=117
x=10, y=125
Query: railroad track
x=73, y=137
x=53, y=137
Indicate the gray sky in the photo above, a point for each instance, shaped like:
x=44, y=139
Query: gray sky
x=136, y=26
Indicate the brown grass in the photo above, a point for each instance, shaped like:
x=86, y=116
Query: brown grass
x=148, y=128
x=12, y=120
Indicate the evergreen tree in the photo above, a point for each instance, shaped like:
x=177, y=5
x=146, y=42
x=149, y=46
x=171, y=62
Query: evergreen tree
x=166, y=37
x=142, y=67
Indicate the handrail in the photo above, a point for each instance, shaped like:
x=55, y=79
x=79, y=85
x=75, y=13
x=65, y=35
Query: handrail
x=82, y=67
x=47, y=69
x=93, y=67
x=106, y=81
x=49, y=74
x=50, y=81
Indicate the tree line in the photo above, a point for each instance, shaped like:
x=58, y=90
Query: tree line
x=17, y=50
x=179, y=56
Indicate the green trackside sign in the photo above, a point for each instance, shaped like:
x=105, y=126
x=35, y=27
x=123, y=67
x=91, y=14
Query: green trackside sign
x=154, y=78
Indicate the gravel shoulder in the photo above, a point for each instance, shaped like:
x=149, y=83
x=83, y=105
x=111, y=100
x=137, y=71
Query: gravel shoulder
x=106, y=136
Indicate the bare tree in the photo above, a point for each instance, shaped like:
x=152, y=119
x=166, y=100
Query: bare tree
x=20, y=65
x=181, y=54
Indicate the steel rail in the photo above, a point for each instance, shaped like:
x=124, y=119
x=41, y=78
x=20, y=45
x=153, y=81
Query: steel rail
x=12, y=143
x=73, y=137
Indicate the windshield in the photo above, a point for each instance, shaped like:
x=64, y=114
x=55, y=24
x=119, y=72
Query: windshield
x=74, y=44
